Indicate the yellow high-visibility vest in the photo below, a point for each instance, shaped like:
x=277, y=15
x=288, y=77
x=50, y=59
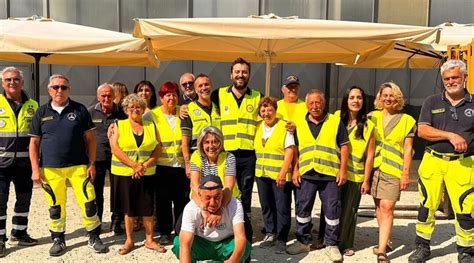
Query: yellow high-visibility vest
x=321, y=154
x=14, y=139
x=270, y=158
x=221, y=164
x=357, y=150
x=170, y=139
x=389, y=150
x=128, y=145
x=201, y=119
x=283, y=114
x=238, y=123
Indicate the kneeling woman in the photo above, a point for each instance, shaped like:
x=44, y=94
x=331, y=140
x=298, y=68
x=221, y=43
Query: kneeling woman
x=135, y=146
x=274, y=147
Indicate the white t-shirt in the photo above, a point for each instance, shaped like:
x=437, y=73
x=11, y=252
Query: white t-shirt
x=193, y=222
x=267, y=132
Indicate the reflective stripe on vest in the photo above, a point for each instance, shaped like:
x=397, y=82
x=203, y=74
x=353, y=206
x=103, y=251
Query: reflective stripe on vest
x=14, y=139
x=389, y=150
x=128, y=145
x=221, y=164
x=321, y=154
x=201, y=119
x=270, y=159
x=357, y=152
x=170, y=139
x=238, y=123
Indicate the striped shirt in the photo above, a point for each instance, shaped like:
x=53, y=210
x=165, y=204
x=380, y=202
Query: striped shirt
x=211, y=169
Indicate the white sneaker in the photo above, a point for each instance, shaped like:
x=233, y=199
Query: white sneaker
x=268, y=241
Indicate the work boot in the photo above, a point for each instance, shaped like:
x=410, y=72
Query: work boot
x=24, y=240
x=297, y=248
x=333, y=253
x=58, y=248
x=420, y=255
x=465, y=258
x=280, y=247
x=95, y=243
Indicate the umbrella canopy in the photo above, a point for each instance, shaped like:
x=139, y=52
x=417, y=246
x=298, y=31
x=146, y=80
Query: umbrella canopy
x=272, y=39
x=70, y=44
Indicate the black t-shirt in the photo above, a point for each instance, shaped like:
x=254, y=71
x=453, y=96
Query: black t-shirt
x=438, y=112
x=102, y=122
x=62, y=135
x=342, y=138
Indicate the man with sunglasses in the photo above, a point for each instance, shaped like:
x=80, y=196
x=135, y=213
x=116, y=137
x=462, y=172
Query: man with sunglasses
x=446, y=122
x=186, y=83
x=16, y=112
x=63, y=147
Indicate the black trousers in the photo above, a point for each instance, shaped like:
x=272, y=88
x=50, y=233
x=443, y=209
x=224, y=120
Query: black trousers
x=171, y=196
x=245, y=177
x=21, y=178
x=101, y=169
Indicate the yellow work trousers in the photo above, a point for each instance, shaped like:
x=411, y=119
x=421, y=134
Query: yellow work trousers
x=458, y=176
x=55, y=192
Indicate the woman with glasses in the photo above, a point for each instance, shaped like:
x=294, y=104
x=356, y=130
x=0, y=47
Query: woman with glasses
x=135, y=145
x=393, y=155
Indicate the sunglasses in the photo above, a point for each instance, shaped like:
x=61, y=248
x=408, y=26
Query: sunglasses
x=454, y=114
x=57, y=87
x=12, y=80
x=187, y=84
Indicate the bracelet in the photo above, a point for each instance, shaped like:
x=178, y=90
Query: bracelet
x=91, y=163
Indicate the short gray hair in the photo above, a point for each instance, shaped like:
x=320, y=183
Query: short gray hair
x=58, y=76
x=103, y=85
x=315, y=91
x=454, y=63
x=214, y=131
x=10, y=69
x=133, y=99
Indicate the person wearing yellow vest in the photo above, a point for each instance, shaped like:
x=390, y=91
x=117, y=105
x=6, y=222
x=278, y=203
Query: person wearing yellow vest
x=135, y=145
x=446, y=122
x=16, y=112
x=361, y=132
x=274, y=147
x=238, y=106
x=290, y=106
x=323, y=152
x=393, y=155
x=198, y=115
x=63, y=148
x=172, y=184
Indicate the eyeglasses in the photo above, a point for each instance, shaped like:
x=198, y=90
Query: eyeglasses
x=454, y=115
x=187, y=84
x=57, y=87
x=12, y=80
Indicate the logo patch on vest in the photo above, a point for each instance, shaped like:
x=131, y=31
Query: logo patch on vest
x=197, y=112
x=30, y=110
x=226, y=109
x=469, y=112
x=2, y=123
x=71, y=116
x=435, y=111
x=2, y=110
x=249, y=108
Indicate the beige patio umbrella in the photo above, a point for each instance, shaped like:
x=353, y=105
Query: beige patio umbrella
x=271, y=39
x=42, y=40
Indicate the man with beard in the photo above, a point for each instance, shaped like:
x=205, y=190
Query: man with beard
x=238, y=106
x=186, y=83
x=446, y=122
x=201, y=113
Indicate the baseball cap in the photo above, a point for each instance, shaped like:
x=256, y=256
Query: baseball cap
x=291, y=79
x=210, y=178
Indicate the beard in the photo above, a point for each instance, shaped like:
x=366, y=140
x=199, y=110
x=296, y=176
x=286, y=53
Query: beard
x=240, y=86
x=458, y=91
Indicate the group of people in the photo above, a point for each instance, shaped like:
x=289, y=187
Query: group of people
x=191, y=163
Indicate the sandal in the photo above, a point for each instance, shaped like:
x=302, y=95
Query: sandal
x=388, y=249
x=382, y=257
x=349, y=252
x=156, y=247
x=124, y=250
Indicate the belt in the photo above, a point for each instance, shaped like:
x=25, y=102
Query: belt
x=447, y=157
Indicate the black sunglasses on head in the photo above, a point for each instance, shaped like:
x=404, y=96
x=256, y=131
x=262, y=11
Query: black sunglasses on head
x=62, y=87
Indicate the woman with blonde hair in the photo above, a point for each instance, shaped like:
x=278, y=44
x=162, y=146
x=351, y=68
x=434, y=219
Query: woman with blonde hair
x=393, y=155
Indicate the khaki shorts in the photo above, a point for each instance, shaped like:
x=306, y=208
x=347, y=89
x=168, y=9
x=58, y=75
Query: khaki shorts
x=385, y=186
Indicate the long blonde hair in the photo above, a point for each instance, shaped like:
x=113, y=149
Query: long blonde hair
x=397, y=93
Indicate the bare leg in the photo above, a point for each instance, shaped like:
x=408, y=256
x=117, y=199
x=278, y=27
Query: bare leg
x=129, y=243
x=385, y=220
x=150, y=243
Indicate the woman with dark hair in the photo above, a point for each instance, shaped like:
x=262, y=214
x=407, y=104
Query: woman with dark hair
x=145, y=90
x=353, y=115
x=172, y=184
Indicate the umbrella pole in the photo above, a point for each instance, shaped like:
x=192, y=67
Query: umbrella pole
x=268, y=67
x=36, y=74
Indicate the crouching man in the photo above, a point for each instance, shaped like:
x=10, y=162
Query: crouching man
x=224, y=242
